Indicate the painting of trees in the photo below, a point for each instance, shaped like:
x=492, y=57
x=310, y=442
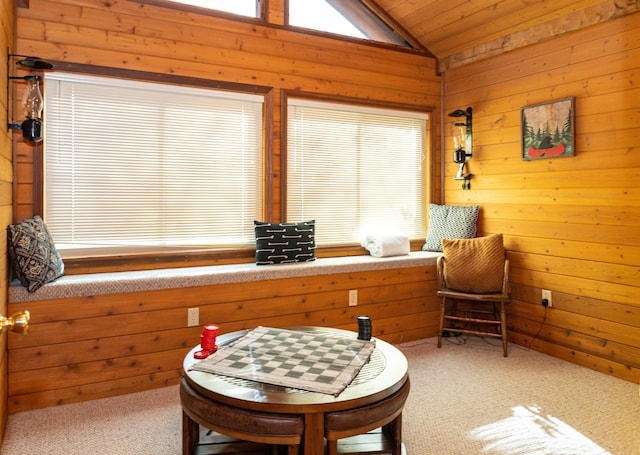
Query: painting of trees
x=548, y=129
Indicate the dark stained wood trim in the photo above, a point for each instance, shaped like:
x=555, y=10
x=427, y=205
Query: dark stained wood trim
x=262, y=8
x=118, y=263
x=284, y=121
x=268, y=155
x=159, y=77
x=38, y=178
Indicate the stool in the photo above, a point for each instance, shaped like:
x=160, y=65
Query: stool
x=386, y=413
x=254, y=426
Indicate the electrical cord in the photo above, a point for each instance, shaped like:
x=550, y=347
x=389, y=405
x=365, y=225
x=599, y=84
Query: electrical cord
x=544, y=319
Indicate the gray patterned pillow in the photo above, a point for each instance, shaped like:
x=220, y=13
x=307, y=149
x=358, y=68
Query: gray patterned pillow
x=450, y=222
x=33, y=254
x=278, y=243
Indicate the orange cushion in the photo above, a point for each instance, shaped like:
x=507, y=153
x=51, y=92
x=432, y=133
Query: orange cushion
x=474, y=265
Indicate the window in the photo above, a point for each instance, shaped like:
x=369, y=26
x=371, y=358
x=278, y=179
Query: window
x=344, y=17
x=354, y=169
x=319, y=15
x=136, y=166
x=242, y=7
x=351, y=18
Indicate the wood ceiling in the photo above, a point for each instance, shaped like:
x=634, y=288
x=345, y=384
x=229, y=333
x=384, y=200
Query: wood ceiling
x=457, y=32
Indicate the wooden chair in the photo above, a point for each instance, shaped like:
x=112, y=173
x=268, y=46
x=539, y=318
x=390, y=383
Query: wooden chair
x=466, y=311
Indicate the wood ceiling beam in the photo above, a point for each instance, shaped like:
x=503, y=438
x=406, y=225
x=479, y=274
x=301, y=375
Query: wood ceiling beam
x=604, y=11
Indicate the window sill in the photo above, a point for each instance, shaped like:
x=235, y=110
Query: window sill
x=149, y=280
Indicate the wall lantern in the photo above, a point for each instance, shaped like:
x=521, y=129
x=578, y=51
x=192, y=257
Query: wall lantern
x=32, y=101
x=463, y=143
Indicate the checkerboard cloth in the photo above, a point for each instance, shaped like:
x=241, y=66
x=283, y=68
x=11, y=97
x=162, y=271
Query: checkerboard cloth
x=312, y=361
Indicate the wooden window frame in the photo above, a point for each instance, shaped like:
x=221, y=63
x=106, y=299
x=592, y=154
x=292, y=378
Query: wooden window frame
x=430, y=157
x=183, y=257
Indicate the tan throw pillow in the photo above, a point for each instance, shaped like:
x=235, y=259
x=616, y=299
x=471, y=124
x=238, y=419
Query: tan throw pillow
x=474, y=265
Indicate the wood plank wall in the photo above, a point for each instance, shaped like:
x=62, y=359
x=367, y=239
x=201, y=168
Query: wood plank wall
x=7, y=14
x=142, y=37
x=97, y=346
x=104, y=345
x=571, y=224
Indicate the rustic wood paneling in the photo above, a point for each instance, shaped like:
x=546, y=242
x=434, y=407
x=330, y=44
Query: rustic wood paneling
x=104, y=345
x=459, y=32
x=7, y=14
x=142, y=37
x=99, y=346
x=570, y=224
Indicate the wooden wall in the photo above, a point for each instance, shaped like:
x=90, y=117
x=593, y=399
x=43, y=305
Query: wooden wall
x=571, y=224
x=92, y=347
x=85, y=348
x=142, y=37
x=7, y=14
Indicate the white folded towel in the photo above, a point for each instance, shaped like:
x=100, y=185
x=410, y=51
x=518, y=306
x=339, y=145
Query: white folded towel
x=386, y=244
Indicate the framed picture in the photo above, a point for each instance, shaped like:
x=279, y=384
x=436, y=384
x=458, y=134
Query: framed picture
x=548, y=129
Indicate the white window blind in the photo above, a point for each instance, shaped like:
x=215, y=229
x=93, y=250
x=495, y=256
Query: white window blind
x=355, y=170
x=142, y=166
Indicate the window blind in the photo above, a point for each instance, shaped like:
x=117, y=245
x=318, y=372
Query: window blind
x=355, y=169
x=139, y=165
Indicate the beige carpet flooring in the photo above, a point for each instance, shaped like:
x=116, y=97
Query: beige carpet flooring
x=465, y=399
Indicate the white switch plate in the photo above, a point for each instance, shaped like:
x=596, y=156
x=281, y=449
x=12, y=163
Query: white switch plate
x=353, y=297
x=193, y=317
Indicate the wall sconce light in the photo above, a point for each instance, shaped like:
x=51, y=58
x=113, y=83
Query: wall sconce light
x=463, y=143
x=32, y=101
x=16, y=323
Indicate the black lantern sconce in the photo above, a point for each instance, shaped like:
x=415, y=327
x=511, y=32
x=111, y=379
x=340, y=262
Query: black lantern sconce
x=32, y=101
x=463, y=143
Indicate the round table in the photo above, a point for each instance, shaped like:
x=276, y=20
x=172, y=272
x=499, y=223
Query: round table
x=373, y=391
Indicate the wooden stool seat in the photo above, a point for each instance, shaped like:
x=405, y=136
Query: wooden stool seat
x=260, y=427
x=386, y=413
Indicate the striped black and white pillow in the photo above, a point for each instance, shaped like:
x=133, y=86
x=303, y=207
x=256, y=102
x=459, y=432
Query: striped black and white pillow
x=278, y=243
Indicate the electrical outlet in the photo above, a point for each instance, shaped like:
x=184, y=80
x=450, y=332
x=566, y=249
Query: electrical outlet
x=353, y=297
x=193, y=317
x=546, y=295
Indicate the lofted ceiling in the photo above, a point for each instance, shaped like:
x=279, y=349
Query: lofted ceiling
x=457, y=32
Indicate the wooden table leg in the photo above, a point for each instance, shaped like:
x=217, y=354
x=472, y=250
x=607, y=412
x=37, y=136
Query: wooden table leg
x=190, y=435
x=314, y=433
x=393, y=433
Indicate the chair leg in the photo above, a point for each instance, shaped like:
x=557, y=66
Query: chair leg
x=503, y=328
x=442, y=311
x=293, y=450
